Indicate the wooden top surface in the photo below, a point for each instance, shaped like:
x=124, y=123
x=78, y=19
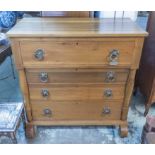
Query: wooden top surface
x=75, y=27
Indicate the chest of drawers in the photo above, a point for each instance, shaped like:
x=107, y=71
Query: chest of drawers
x=76, y=71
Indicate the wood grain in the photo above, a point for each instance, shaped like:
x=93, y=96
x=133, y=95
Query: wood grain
x=76, y=76
x=75, y=27
x=128, y=94
x=137, y=53
x=123, y=130
x=15, y=46
x=76, y=59
x=25, y=92
x=79, y=122
x=82, y=14
x=76, y=110
x=68, y=53
x=79, y=92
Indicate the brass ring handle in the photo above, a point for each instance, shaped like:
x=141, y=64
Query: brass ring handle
x=110, y=76
x=108, y=93
x=47, y=112
x=39, y=54
x=106, y=110
x=43, y=76
x=45, y=92
x=113, y=57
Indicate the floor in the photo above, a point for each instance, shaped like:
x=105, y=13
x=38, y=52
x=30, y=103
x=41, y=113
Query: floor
x=10, y=92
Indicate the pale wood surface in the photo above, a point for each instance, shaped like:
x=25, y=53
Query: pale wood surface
x=137, y=53
x=75, y=27
x=76, y=110
x=76, y=58
x=15, y=46
x=66, y=14
x=76, y=76
x=78, y=92
x=128, y=94
x=25, y=92
x=79, y=122
x=123, y=130
x=77, y=53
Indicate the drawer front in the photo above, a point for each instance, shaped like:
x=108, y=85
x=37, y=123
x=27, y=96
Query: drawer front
x=76, y=110
x=77, y=75
x=90, y=92
x=77, y=53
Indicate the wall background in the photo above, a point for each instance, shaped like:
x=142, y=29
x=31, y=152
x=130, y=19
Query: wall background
x=119, y=14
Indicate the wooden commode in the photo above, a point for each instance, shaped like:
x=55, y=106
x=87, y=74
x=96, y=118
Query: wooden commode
x=76, y=71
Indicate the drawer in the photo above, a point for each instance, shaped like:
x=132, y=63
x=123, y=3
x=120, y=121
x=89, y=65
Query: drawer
x=79, y=92
x=76, y=110
x=77, y=75
x=77, y=53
